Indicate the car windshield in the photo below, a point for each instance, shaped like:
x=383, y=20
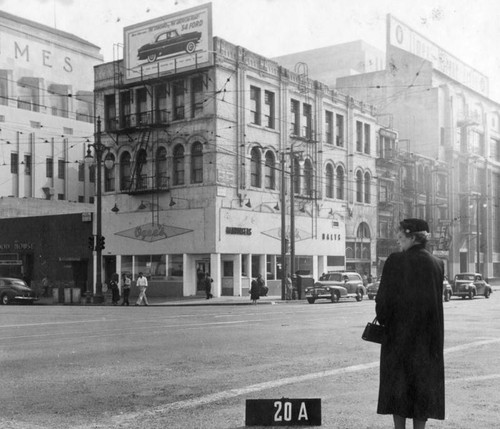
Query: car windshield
x=16, y=282
x=335, y=277
x=464, y=277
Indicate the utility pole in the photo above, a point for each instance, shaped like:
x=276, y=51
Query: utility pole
x=283, y=229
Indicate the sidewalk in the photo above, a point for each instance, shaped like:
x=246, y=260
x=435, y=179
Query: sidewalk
x=189, y=301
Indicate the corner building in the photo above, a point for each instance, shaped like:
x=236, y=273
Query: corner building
x=213, y=151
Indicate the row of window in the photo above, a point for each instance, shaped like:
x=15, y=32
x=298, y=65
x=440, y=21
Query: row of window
x=171, y=101
x=49, y=167
x=137, y=174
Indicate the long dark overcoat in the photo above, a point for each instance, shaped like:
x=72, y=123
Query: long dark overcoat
x=409, y=303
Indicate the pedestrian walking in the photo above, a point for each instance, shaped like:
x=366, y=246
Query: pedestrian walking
x=208, y=285
x=409, y=304
x=255, y=290
x=126, y=283
x=289, y=287
x=45, y=286
x=115, y=291
x=142, y=284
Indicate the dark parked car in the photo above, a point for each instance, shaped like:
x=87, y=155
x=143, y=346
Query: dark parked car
x=335, y=285
x=470, y=285
x=15, y=290
x=169, y=42
x=372, y=289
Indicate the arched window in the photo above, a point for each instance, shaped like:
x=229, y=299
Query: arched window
x=161, y=168
x=368, y=180
x=329, y=181
x=125, y=171
x=269, y=171
x=255, y=168
x=141, y=175
x=363, y=231
x=340, y=183
x=308, y=178
x=359, y=187
x=197, y=163
x=109, y=174
x=179, y=165
x=296, y=176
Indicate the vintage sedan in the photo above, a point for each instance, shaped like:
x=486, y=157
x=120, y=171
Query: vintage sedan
x=372, y=289
x=470, y=285
x=335, y=285
x=15, y=290
x=169, y=42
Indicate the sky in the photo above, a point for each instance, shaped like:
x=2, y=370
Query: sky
x=467, y=29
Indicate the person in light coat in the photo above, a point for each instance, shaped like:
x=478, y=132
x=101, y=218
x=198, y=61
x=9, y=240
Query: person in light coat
x=142, y=284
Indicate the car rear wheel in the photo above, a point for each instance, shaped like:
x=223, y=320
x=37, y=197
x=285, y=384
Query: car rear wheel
x=310, y=300
x=5, y=299
x=190, y=47
x=152, y=58
x=335, y=298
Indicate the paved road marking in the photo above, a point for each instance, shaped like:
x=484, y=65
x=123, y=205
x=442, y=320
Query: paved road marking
x=229, y=394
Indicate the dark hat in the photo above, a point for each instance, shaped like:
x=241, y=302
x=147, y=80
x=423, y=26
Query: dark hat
x=414, y=225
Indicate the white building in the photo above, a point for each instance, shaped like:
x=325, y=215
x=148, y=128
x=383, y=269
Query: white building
x=46, y=111
x=202, y=143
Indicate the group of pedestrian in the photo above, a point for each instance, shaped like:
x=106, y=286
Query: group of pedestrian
x=141, y=283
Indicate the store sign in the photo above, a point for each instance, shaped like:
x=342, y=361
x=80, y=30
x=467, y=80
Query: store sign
x=153, y=232
x=403, y=37
x=238, y=231
x=169, y=44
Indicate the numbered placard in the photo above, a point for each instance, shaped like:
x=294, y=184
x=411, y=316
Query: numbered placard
x=283, y=412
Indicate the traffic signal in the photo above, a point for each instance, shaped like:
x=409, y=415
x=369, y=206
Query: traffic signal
x=101, y=244
x=91, y=242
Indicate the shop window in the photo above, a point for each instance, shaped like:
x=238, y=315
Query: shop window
x=175, y=266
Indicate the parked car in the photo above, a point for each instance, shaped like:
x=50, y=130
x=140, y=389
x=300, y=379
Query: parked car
x=169, y=42
x=470, y=285
x=15, y=290
x=335, y=285
x=372, y=289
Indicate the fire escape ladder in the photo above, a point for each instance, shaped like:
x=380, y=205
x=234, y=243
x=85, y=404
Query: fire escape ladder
x=136, y=179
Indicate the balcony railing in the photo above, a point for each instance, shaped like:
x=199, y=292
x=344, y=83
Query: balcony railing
x=142, y=184
x=149, y=118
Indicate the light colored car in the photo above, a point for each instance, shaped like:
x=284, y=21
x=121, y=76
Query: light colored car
x=335, y=285
x=470, y=285
x=15, y=290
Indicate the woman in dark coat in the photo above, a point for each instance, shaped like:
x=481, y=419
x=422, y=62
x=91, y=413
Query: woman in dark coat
x=410, y=304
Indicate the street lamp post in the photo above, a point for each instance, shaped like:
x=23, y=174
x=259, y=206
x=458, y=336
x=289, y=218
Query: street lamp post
x=99, y=149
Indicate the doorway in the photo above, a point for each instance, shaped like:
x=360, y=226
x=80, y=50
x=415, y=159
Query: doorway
x=202, y=267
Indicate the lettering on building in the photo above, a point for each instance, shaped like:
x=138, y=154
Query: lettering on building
x=238, y=231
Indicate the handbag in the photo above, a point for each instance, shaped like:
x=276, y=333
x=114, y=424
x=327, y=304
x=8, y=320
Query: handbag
x=374, y=332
